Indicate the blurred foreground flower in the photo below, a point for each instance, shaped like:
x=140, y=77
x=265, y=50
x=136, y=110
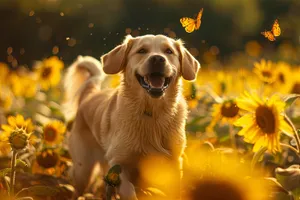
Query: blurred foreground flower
x=263, y=122
x=53, y=132
x=49, y=72
x=213, y=175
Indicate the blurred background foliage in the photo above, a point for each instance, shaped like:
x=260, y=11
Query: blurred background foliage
x=229, y=33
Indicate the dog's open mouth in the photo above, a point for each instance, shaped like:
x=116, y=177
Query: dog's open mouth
x=155, y=83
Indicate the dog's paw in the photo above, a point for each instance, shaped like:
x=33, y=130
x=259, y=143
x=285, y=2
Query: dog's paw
x=127, y=191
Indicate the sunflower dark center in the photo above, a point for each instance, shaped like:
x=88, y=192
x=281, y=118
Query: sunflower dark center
x=47, y=159
x=296, y=88
x=50, y=134
x=265, y=119
x=267, y=74
x=46, y=72
x=281, y=78
x=229, y=109
x=206, y=189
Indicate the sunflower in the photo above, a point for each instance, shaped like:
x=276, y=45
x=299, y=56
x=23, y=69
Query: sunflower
x=23, y=83
x=264, y=71
x=295, y=86
x=227, y=111
x=53, y=132
x=263, y=121
x=17, y=132
x=283, y=77
x=16, y=122
x=48, y=161
x=213, y=171
x=5, y=98
x=49, y=72
x=115, y=80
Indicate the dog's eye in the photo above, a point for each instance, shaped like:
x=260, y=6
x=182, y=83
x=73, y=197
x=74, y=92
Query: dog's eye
x=142, y=51
x=169, y=51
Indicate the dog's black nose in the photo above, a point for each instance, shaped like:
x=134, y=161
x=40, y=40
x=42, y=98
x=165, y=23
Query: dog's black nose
x=157, y=60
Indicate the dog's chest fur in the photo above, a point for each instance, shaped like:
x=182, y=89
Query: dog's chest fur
x=154, y=129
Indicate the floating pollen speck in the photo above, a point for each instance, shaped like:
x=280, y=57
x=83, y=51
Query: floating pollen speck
x=55, y=50
x=91, y=25
x=72, y=42
x=9, y=50
x=22, y=51
x=67, y=38
x=31, y=13
x=62, y=14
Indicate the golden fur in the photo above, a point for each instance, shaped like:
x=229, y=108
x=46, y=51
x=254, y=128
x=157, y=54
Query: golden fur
x=112, y=125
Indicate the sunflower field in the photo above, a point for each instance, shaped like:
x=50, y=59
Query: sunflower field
x=243, y=129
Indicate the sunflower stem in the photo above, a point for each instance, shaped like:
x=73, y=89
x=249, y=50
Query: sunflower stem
x=288, y=120
x=13, y=173
x=232, y=136
x=290, y=147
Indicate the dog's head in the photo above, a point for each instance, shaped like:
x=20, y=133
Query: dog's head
x=154, y=61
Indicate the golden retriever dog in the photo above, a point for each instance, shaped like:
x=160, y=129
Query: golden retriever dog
x=145, y=115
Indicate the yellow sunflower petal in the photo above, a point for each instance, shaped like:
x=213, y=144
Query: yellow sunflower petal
x=20, y=120
x=244, y=120
x=12, y=121
x=246, y=130
x=261, y=142
x=286, y=128
x=6, y=128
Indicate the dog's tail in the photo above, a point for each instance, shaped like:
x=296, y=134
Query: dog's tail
x=82, y=77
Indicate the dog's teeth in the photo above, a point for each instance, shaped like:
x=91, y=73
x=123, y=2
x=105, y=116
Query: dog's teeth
x=146, y=79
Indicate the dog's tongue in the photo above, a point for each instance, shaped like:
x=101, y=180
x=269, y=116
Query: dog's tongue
x=156, y=81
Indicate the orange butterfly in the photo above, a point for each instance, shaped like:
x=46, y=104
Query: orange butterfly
x=275, y=32
x=191, y=24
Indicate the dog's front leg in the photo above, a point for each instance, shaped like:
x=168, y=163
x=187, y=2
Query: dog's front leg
x=126, y=189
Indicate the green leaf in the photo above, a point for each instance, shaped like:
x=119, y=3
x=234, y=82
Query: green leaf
x=4, y=172
x=289, y=177
x=25, y=198
x=257, y=157
x=67, y=187
x=275, y=185
x=20, y=163
x=41, y=190
x=195, y=120
x=289, y=99
x=194, y=91
x=154, y=191
x=115, y=169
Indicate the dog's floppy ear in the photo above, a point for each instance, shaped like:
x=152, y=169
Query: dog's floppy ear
x=189, y=65
x=114, y=61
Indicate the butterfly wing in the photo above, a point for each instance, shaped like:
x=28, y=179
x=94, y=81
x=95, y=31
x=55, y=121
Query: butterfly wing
x=190, y=28
x=269, y=35
x=276, y=28
x=198, y=19
x=188, y=24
